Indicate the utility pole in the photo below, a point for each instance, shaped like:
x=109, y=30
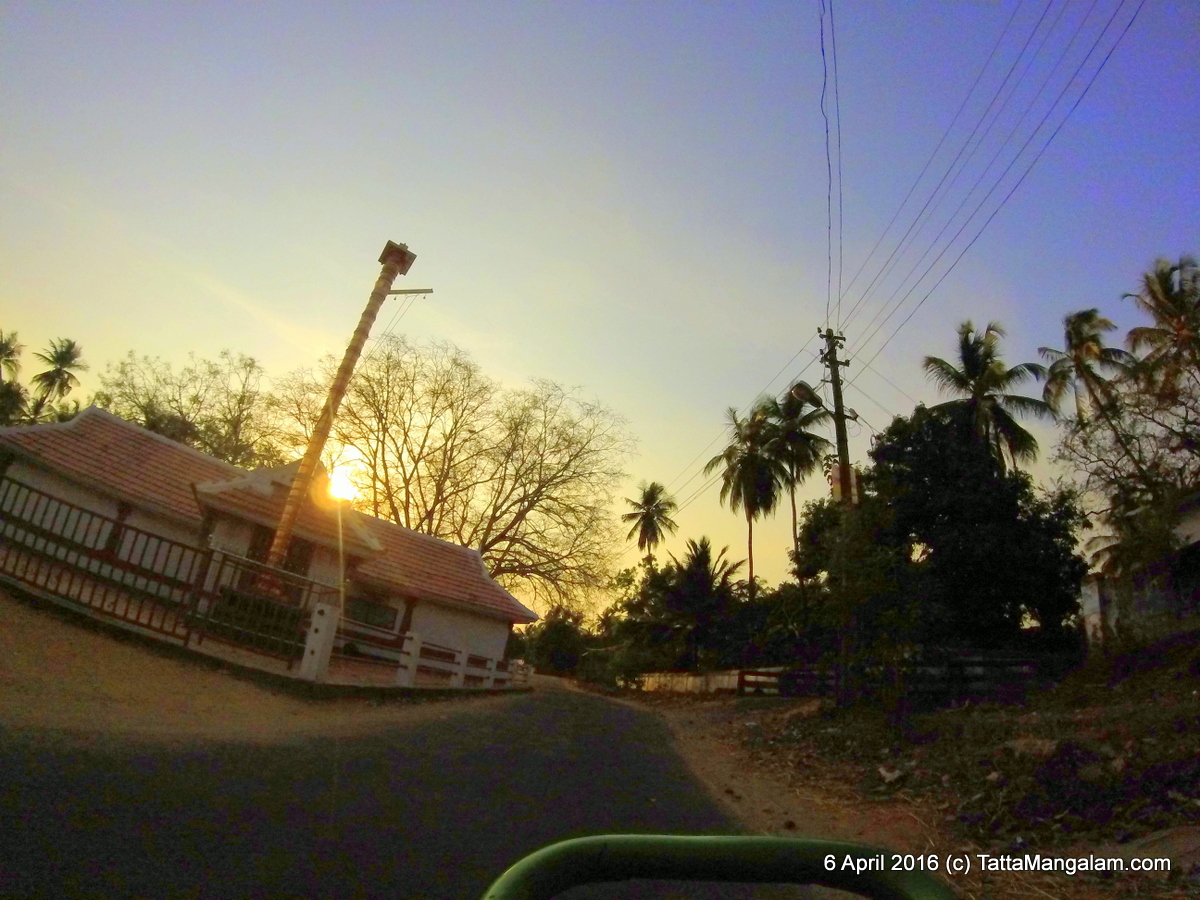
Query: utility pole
x=396, y=259
x=829, y=357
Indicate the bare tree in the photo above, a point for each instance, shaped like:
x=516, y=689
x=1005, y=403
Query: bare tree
x=525, y=476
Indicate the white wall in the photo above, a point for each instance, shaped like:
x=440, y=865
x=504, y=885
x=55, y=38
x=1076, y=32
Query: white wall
x=42, y=480
x=102, y=504
x=233, y=535
x=478, y=635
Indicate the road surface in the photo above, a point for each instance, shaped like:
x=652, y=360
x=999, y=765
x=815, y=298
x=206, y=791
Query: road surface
x=431, y=808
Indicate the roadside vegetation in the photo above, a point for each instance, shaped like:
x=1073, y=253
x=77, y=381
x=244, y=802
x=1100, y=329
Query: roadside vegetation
x=952, y=547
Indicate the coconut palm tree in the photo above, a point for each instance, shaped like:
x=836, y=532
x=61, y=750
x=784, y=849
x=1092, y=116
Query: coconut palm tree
x=796, y=445
x=701, y=594
x=10, y=354
x=752, y=473
x=65, y=358
x=1076, y=365
x=983, y=382
x=1171, y=295
x=651, y=516
x=14, y=403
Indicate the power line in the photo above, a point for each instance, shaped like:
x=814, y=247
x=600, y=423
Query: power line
x=725, y=430
x=933, y=155
x=401, y=309
x=1043, y=149
x=695, y=494
x=1004, y=143
x=837, y=106
x=828, y=173
x=918, y=221
x=873, y=400
x=888, y=380
x=867, y=364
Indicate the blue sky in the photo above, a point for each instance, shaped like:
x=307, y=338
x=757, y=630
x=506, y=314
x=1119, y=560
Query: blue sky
x=626, y=197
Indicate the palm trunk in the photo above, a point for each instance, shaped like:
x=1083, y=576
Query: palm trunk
x=750, y=549
x=795, y=524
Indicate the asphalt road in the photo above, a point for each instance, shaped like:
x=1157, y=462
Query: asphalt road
x=437, y=809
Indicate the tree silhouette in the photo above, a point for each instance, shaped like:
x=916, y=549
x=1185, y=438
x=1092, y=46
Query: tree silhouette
x=984, y=381
x=65, y=358
x=796, y=446
x=651, y=516
x=752, y=473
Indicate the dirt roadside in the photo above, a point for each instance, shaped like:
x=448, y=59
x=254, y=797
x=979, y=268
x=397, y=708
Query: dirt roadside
x=79, y=684
x=716, y=737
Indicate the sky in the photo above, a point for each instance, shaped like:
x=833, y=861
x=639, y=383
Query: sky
x=632, y=199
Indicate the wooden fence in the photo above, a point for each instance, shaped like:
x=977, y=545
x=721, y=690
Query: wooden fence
x=959, y=675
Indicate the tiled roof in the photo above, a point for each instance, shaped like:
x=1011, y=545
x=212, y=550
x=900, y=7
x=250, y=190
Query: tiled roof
x=259, y=497
x=428, y=567
x=123, y=460
x=103, y=451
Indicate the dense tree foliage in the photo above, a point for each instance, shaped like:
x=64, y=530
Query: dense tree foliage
x=221, y=407
x=555, y=643
x=989, y=553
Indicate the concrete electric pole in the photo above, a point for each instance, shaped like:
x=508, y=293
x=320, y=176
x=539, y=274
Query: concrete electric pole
x=829, y=357
x=802, y=391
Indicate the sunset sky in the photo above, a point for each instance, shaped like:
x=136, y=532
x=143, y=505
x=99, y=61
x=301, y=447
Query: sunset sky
x=625, y=197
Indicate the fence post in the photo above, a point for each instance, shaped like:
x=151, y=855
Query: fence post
x=460, y=669
x=318, y=643
x=406, y=676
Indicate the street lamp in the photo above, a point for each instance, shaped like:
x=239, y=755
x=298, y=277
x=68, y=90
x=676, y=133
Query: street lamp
x=803, y=392
x=342, y=490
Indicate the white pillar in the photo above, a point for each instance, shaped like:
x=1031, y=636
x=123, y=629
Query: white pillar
x=456, y=680
x=318, y=644
x=407, y=677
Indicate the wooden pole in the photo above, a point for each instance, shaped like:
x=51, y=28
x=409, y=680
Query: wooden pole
x=396, y=259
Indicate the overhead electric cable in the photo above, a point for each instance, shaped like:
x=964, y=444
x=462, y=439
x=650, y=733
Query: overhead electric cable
x=1043, y=149
x=377, y=342
x=953, y=164
x=828, y=174
x=987, y=168
x=700, y=490
x=837, y=106
x=938, y=147
x=745, y=409
x=872, y=399
x=888, y=380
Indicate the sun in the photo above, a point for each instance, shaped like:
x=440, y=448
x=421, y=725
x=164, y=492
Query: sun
x=340, y=486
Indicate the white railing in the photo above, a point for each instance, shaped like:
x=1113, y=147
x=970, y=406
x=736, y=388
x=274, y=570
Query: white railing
x=405, y=660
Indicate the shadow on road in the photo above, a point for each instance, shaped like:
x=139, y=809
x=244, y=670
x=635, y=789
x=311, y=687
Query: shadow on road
x=432, y=809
